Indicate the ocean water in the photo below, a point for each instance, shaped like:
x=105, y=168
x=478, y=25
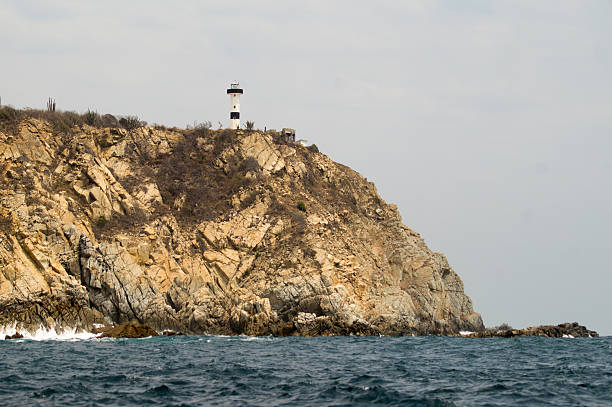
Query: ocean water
x=336, y=371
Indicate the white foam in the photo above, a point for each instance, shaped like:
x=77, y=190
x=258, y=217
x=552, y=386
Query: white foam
x=43, y=334
x=250, y=338
x=568, y=336
x=464, y=333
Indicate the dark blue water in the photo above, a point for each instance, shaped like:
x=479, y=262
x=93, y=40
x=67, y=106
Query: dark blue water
x=341, y=371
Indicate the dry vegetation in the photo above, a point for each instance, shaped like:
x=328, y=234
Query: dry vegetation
x=189, y=174
x=193, y=189
x=64, y=122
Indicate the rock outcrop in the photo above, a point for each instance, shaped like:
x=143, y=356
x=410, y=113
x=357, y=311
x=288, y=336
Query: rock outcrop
x=16, y=335
x=565, y=330
x=131, y=329
x=208, y=232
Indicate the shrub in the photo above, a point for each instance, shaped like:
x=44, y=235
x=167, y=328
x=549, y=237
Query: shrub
x=290, y=264
x=92, y=118
x=301, y=206
x=131, y=122
x=9, y=118
x=7, y=113
x=202, y=129
x=101, y=222
x=239, y=180
x=62, y=122
x=60, y=126
x=223, y=139
x=250, y=125
x=71, y=119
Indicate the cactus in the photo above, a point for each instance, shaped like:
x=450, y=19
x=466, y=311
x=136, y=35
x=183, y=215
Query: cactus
x=92, y=118
x=51, y=105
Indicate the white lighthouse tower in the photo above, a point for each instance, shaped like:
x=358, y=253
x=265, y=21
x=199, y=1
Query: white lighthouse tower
x=234, y=91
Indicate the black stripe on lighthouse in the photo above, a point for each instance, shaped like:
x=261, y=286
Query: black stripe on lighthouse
x=234, y=115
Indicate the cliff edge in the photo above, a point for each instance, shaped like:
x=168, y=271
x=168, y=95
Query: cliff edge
x=205, y=231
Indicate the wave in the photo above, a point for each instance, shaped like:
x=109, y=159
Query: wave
x=44, y=334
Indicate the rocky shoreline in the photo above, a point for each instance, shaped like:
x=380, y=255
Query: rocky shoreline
x=308, y=325
x=565, y=330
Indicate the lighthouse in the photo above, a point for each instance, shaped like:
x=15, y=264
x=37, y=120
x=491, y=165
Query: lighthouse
x=234, y=92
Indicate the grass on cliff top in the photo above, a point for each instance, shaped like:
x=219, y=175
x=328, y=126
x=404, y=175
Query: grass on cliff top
x=64, y=121
x=193, y=189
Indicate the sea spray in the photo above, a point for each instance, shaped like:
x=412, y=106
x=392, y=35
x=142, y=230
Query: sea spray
x=46, y=334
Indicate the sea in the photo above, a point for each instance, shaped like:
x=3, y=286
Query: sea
x=78, y=370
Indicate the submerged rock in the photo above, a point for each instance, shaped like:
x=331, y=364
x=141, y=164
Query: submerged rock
x=130, y=329
x=565, y=330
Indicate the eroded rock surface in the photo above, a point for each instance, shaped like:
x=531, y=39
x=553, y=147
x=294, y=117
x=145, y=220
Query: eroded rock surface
x=200, y=232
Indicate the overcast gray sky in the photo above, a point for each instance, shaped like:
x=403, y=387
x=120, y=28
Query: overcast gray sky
x=487, y=122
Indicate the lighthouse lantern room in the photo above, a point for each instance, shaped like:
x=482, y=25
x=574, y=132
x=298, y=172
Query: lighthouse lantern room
x=234, y=92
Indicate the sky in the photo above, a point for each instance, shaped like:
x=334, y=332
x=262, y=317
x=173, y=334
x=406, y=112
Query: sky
x=487, y=122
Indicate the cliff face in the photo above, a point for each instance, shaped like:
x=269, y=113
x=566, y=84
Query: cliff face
x=208, y=231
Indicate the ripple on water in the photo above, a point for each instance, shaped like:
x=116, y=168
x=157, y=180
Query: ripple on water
x=214, y=370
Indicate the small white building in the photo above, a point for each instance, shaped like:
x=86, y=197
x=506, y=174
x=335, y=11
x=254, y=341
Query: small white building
x=234, y=92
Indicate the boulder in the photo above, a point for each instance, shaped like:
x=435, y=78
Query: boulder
x=132, y=329
x=110, y=120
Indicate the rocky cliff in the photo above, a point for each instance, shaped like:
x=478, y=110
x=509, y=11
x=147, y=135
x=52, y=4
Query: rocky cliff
x=207, y=231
